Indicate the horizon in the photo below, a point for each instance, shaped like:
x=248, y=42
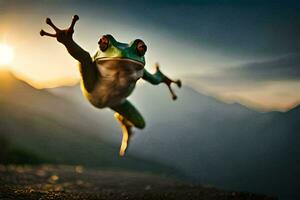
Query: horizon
x=76, y=84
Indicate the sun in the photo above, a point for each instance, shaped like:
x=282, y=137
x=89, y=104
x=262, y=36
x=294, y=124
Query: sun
x=6, y=54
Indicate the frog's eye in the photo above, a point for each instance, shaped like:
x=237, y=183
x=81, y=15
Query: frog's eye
x=141, y=48
x=103, y=43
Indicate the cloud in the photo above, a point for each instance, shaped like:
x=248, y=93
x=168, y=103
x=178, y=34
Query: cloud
x=265, y=85
x=282, y=68
x=235, y=28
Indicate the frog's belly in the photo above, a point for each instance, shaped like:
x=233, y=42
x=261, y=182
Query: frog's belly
x=116, y=82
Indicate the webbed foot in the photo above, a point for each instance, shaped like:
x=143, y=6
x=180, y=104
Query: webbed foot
x=126, y=127
x=168, y=82
x=62, y=35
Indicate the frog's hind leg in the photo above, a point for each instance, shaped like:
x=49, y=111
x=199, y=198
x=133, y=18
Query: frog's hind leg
x=129, y=117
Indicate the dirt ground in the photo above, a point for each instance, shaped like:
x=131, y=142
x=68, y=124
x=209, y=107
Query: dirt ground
x=76, y=182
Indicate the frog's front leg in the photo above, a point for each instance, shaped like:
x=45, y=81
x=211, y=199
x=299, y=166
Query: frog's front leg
x=158, y=77
x=128, y=117
x=87, y=67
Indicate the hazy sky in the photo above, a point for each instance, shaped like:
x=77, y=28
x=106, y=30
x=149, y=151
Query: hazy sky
x=245, y=51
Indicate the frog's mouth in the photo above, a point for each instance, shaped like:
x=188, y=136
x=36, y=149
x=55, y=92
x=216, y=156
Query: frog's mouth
x=124, y=62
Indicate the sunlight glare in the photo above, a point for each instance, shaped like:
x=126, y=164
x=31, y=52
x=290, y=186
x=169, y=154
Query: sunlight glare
x=6, y=54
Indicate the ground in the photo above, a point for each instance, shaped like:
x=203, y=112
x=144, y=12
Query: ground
x=76, y=182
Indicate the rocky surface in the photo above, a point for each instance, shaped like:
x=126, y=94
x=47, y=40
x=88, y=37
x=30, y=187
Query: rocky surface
x=76, y=182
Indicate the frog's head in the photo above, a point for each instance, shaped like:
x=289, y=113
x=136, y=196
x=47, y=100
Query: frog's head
x=112, y=50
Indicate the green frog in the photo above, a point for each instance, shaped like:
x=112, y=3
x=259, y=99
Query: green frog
x=110, y=76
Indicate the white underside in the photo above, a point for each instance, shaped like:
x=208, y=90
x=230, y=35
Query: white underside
x=116, y=82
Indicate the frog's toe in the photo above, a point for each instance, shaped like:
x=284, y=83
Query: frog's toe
x=127, y=134
x=123, y=148
x=44, y=33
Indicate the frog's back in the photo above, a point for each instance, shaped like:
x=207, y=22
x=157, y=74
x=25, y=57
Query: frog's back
x=117, y=80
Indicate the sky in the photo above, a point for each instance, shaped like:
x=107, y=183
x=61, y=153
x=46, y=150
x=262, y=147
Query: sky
x=238, y=51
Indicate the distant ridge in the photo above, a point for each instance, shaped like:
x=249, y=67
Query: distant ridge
x=53, y=129
x=211, y=142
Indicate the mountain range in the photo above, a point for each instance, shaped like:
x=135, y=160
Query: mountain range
x=212, y=142
x=196, y=137
x=39, y=127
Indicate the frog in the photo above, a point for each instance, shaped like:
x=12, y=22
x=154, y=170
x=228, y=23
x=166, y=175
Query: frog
x=109, y=77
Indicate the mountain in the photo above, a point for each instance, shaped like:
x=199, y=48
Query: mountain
x=37, y=127
x=212, y=142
